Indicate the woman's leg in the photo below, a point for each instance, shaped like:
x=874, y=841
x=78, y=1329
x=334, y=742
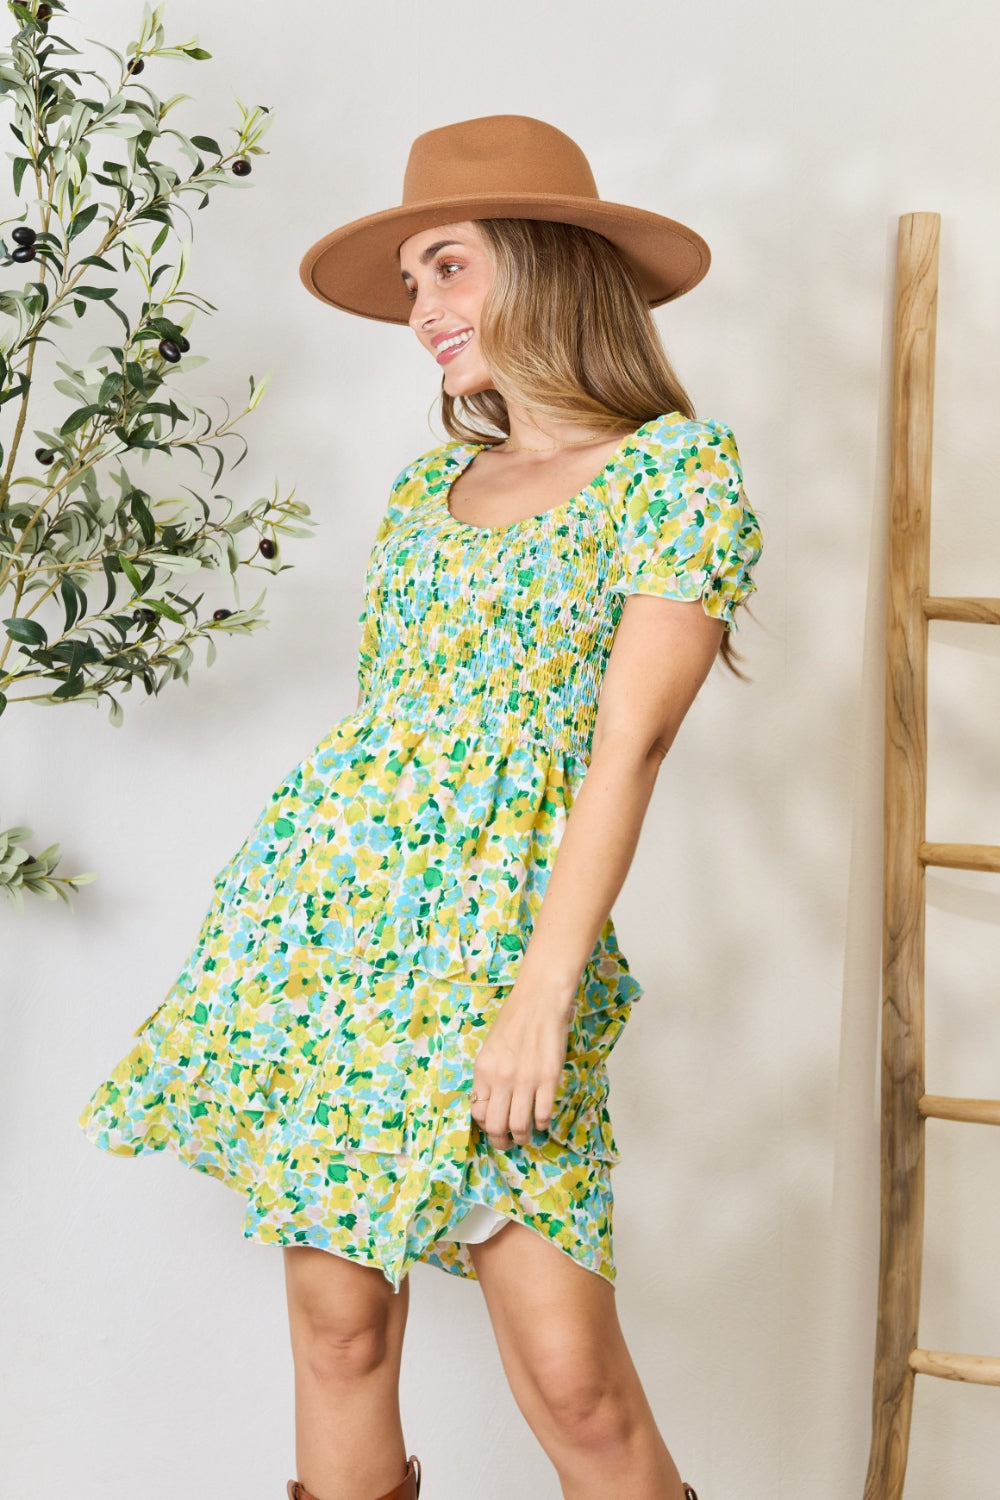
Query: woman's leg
x=346, y=1326
x=557, y=1329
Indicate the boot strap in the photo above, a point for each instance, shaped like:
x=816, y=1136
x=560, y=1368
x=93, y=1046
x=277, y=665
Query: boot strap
x=409, y=1489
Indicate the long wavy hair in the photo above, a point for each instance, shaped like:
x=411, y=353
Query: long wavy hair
x=600, y=364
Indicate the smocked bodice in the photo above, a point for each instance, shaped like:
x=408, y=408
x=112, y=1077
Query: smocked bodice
x=503, y=631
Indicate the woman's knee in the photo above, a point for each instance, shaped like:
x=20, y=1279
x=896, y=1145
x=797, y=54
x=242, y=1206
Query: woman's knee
x=344, y=1327
x=587, y=1404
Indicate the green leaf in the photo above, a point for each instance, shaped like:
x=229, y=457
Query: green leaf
x=120, y=315
x=41, y=289
x=141, y=514
x=110, y=386
x=3, y=702
x=21, y=164
x=205, y=143
x=96, y=293
x=256, y=391
x=84, y=220
x=79, y=307
x=108, y=564
x=70, y=688
x=164, y=609
x=128, y=568
x=95, y=260
x=79, y=419
x=198, y=53
x=74, y=600
x=28, y=632
x=23, y=384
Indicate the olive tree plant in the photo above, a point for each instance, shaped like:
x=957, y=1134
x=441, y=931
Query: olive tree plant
x=94, y=567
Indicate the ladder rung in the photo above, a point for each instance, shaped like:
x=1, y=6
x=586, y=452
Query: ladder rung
x=973, y=1111
x=961, y=856
x=980, y=1369
x=970, y=611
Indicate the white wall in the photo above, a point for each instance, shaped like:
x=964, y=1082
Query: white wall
x=145, y=1345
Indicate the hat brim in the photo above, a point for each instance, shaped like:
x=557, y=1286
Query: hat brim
x=355, y=267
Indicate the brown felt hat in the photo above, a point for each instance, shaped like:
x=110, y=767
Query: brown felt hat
x=497, y=167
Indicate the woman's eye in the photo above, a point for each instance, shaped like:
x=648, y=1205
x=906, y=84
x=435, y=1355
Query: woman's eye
x=442, y=267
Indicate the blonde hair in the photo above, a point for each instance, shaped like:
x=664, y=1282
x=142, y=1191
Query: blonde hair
x=598, y=363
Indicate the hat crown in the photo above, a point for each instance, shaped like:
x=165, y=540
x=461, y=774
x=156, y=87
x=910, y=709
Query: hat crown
x=504, y=154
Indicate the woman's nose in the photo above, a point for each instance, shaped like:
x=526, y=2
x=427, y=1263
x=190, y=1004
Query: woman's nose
x=424, y=309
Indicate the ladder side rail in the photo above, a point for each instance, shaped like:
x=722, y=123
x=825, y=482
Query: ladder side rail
x=902, y=1194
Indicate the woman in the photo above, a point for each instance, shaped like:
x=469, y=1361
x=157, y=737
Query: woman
x=392, y=1032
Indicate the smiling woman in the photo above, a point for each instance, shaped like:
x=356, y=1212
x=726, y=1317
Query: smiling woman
x=392, y=1032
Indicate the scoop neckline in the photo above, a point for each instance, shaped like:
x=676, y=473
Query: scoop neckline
x=471, y=449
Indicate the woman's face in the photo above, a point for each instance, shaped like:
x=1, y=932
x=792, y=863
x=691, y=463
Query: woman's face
x=447, y=274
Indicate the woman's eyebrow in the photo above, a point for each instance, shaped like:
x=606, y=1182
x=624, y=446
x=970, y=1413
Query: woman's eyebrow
x=432, y=250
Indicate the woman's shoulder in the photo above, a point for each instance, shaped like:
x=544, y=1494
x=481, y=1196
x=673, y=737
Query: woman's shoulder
x=674, y=455
x=679, y=438
x=431, y=465
x=424, y=476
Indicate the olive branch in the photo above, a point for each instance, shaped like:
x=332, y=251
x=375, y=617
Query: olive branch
x=74, y=522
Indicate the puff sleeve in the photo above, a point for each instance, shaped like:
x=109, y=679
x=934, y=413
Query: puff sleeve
x=408, y=490
x=685, y=529
x=370, y=619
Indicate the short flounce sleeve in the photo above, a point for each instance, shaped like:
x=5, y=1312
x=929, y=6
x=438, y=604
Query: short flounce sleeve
x=685, y=529
x=369, y=618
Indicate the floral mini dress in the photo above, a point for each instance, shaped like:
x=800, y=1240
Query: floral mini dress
x=316, y=1050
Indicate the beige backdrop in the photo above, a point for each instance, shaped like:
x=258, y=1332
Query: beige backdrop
x=145, y=1344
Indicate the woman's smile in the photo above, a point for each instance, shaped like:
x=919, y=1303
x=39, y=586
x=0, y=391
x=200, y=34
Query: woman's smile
x=448, y=345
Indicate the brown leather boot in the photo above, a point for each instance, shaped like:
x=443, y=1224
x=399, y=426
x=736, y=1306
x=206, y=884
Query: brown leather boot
x=409, y=1489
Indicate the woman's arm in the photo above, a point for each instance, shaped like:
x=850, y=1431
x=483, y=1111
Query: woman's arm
x=662, y=653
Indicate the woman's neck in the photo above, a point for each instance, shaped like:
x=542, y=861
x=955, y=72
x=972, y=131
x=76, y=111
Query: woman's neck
x=548, y=434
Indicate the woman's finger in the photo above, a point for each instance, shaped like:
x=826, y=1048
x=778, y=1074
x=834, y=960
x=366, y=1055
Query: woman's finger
x=545, y=1099
x=478, y=1101
x=497, y=1121
x=521, y=1110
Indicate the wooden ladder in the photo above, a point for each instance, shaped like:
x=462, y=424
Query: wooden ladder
x=905, y=1105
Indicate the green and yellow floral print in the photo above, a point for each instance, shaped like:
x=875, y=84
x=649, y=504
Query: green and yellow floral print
x=316, y=1050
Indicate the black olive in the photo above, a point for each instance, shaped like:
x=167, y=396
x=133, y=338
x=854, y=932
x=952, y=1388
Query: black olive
x=241, y=167
x=43, y=12
x=45, y=456
x=136, y=65
x=23, y=235
x=23, y=253
x=183, y=344
x=267, y=547
x=169, y=351
x=144, y=616
x=221, y=614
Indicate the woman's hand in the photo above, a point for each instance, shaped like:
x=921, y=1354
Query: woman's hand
x=519, y=1066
